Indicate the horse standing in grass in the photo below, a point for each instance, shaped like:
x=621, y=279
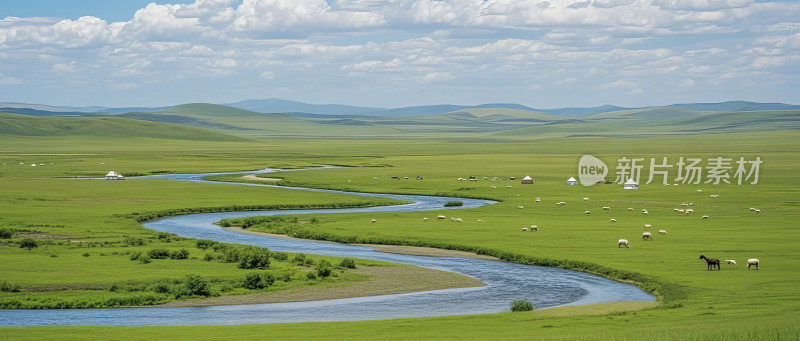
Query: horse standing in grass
x=711, y=262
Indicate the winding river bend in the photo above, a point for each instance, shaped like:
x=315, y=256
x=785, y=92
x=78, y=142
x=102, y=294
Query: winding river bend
x=505, y=282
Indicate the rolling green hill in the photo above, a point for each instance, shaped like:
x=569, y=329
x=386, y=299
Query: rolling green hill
x=111, y=127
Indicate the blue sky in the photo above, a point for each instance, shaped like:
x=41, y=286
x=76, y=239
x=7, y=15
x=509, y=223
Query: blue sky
x=392, y=53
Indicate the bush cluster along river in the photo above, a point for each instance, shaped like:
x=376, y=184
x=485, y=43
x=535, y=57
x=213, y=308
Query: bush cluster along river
x=505, y=282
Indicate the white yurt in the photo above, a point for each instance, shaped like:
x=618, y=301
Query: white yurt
x=112, y=175
x=630, y=184
x=572, y=182
x=527, y=180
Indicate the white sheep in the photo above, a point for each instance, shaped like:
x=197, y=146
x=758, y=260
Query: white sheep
x=699, y=191
x=441, y=217
x=681, y=211
x=730, y=262
x=562, y=203
x=538, y=200
x=534, y=228
x=524, y=229
x=644, y=212
x=705, y=217
x=373, y=220
x=623, y=242
x=752, y=208
x=613, y=220
x=606, y=208
x=752, y=261
x=480, y=221
x=684, y=204
x=585, y=199
x=758, y=211
x=647, y=226
x=520, y=207
x=647, y=236
x=662, y=232
x=630, y=209
x=425, y=219
x=494, y=186
x=458, y=220
x=588, y=212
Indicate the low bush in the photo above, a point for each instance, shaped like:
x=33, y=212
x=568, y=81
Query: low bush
x=179, y=254
x=205, y=243
x=348, y=263
x=324, y=268
x=254, y=258
x=454, y=204
x=521, y=305
x=196, y=285
x=256, y=280
x=158, y=253
x=9, y=287
x=28, y=243
x=6, y=233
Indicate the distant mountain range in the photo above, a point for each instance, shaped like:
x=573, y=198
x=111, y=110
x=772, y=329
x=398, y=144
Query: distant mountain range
x=300, y=109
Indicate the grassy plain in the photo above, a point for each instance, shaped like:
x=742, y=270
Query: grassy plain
x=731, y=304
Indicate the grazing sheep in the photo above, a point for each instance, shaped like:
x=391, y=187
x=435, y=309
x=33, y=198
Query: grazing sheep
x=524, y=229
x=689, y=211
x=630, y=209
x=588, y=212
x=699, y=191
x=425, y=219
x=691, y=204
x=534, y=228
x=752, y=209
x=375, y=178
x=480, y=221
x=758, y=211
x=647, y=226
x=373, y=220
x=675, y=210
x=712, y=262
x=538, y=200
x=520, y=207
x=752, y=261
x=623, y=242
x=458, y=220
x=558, y=204
x=441, y=217
x=585, y=199
x=494, y=186
x=681, y=211
x=509, y=186
x=714, y=196
x=644, y=212
x=606, y=208
x=705, y=217
x=730, y=262
x=662, y=232
x=684, y=204
x=613, y=220
x=647, y=236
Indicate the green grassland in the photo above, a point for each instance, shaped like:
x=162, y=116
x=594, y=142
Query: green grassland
x=731, y=304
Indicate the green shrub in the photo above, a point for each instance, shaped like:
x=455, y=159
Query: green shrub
x=28, y=243
x=196, y=285
x=281, y=256
x=144, y=259
x=165, y=236
x=179, y=254
x=255, y=280
x=521, y=305
x=6, y=233
x=324, y=268
x=86, y=254
x=454, y=204
x=311, y=275
x=348, y=263
x=158, y=253
x=205, y=243
x=9, y=287
x=136, y=255
x=208, y=257
x=299, y=259
x=254, y=259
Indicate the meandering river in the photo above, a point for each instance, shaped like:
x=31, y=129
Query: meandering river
x=505, y=282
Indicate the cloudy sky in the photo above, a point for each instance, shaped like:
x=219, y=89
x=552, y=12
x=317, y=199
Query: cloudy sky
x=393, y=53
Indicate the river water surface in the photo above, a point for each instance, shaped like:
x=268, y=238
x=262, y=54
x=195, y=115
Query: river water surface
x=505, y=282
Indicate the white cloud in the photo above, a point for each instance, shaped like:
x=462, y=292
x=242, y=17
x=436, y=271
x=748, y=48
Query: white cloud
x=433, y=77
x=619, y=84
x=687, y=83
x=269, y=75
x=64, y=68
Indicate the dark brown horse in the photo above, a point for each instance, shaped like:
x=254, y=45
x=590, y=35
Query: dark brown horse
x=711, y=262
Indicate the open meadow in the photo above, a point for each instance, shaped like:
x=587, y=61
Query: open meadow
x=70, y=218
